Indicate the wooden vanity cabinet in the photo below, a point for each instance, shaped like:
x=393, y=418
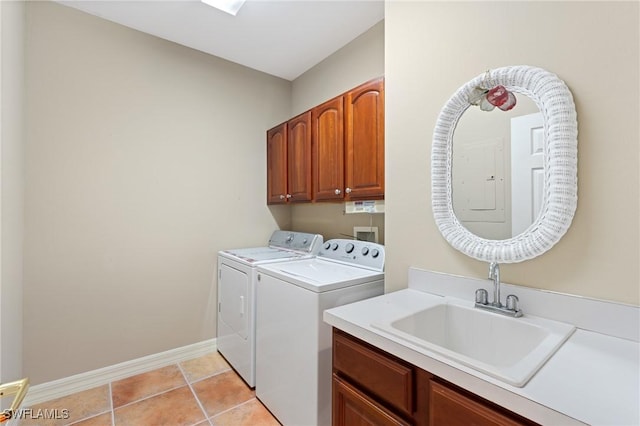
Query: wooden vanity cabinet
x=373, y=387
x=289, y=161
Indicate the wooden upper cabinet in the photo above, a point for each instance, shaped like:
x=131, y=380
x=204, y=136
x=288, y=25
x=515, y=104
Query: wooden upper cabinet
x=334, y=152
x=289, y=161
x=364, y=141
x=277, y=164
x=327, y=123
x=299, y=158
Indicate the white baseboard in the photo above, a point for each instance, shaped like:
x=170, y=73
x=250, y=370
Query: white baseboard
x=102, y=376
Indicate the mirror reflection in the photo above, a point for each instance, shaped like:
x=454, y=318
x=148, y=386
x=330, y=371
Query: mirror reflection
x=498, y=169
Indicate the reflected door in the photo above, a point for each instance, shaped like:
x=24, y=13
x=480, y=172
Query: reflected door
x=527, y=170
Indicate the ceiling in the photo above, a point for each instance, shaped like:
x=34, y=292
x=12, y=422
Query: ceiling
x=281, y=38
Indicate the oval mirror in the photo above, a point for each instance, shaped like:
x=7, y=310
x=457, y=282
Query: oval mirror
x=506, y=190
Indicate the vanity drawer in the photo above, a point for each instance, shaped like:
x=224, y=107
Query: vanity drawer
x=450, y=407
x=389, y=379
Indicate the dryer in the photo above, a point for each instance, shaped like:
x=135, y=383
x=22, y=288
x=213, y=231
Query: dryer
x=236, y=325
x=293, y=347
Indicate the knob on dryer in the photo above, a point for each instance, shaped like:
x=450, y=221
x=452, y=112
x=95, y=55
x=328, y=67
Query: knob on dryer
x=375, y=253
x=349, y=247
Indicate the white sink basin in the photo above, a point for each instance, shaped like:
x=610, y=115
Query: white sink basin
x=509, y=349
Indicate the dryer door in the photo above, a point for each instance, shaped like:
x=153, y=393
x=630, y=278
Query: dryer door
x=233, y=298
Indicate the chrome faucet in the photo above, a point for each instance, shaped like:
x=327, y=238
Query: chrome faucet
x=494, y=274
x=482, y=302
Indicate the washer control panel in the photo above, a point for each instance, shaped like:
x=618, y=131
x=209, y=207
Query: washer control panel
x=358, y=253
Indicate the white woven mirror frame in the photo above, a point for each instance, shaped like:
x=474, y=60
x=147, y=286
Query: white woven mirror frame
x=555, y=102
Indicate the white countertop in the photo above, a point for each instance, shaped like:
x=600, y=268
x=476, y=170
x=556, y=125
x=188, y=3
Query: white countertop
x=594, y=378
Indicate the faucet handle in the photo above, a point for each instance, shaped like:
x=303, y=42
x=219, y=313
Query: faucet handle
x=512, y=302
x=482, y=297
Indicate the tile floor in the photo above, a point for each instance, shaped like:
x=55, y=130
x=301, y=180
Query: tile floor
x=203, y=391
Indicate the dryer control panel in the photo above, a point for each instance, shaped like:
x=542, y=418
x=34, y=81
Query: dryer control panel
x=298, y=241
x=353, y=252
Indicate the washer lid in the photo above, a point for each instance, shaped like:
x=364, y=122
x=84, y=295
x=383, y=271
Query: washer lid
x=320, y=275
x=258, y=255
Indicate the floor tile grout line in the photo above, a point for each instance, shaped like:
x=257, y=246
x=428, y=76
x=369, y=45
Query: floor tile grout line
x=87, y=418
x=113, y=414
x=150, y=396
x=193, y=392
x=234, y=407
x=199, y=379
x=209, y=419
x=108, y=410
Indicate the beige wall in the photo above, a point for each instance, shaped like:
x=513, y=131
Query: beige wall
x=432, y=48
x=143, y=159
x=357, y=62
x=12, y=180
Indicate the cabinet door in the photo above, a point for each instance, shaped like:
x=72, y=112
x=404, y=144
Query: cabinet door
x=389, y=379
x=277, y=164
x=328, y=150
x=449, y=407
x=299, y=158
x=352, y=408
x=364, y=142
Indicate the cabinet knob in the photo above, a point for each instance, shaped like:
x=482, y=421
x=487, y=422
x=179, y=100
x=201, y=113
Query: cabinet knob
x=281, y=197
x=338, y=192
x=288, y=195
x=348, y=190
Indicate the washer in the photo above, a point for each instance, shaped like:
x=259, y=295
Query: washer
x=236, y=326
x=293, y=347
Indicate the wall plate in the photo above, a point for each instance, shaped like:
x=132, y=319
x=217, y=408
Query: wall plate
x=366, y=233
